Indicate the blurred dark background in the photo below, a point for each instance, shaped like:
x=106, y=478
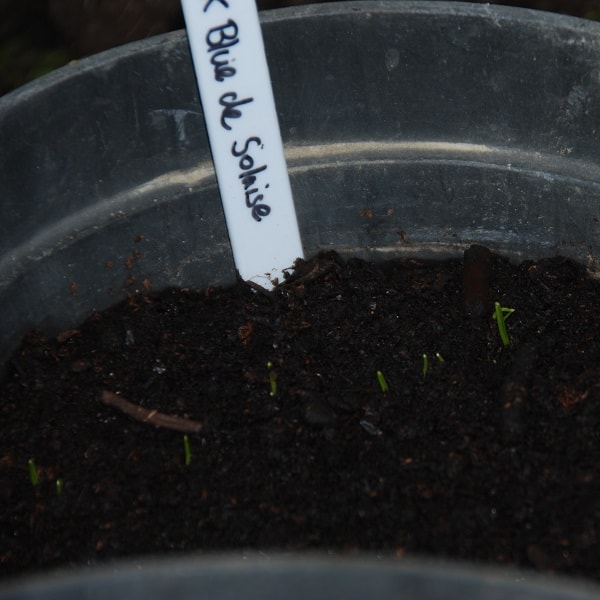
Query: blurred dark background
x=37, y=36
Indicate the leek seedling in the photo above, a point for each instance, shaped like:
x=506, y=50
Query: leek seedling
x=501, y=313
x=425, y=364
x=186, y=450
x=272, y=379
x=439, y=357
x=383, y=384
x=33, y=475
x=59, y=487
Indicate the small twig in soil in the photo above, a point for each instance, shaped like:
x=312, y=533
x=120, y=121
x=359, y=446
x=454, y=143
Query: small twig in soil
x=154, y=417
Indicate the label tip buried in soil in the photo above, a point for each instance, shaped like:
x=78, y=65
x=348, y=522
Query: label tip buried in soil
x=239, y=110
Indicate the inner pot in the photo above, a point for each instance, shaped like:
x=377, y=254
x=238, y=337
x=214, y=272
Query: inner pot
x=410, y=129
x=283, y=578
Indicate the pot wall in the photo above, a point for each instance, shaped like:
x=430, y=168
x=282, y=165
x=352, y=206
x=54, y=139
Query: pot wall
x=410, y=129
x=295, y=578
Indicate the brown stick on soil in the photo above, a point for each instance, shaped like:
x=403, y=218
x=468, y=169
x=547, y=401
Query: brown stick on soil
x=158, y=419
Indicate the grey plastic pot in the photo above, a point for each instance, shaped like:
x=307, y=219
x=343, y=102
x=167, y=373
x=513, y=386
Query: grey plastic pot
x=410, y=128
x=294, y=578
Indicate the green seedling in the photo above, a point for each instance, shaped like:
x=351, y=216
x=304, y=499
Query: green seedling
x=425, y=368
x=33, y=475
x=501, y=313
x=187, y=451
x=383, y=384
x=59, y=487
x=272, y=379
x=425, y=365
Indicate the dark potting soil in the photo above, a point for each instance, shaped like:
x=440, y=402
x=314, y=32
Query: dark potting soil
x=479, y=452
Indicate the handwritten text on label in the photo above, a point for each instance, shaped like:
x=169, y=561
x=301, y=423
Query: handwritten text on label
x=219, y=42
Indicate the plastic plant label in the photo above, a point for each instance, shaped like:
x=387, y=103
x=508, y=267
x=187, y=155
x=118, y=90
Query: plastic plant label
x=237, y=99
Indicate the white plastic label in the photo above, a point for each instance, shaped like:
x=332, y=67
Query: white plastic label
x=235, y=88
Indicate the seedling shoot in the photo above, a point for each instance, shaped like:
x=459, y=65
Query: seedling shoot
x=186, y=450
x=33, y=475
x=501, y=313
x=425, y=365
x=383, y=384
x=425, y=368
x=272, y=379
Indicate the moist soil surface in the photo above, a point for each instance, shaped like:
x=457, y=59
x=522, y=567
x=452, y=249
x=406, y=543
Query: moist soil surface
x=481, y=452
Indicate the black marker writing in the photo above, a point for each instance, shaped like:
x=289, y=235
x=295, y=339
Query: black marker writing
x=219, y=40
x=251, y=140
x=223, y=36
x=222, y=67
x=221, y=2
x=248, y=178
x=230, y=103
